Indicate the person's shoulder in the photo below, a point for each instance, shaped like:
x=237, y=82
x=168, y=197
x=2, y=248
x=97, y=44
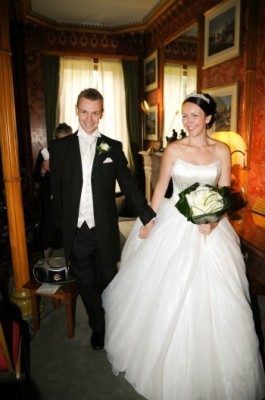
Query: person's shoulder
x=172, y=151
x=111, y=142
x=220, y=146
x=176, y=145
x=221, y=150
x=63, y=141
x=68, y=138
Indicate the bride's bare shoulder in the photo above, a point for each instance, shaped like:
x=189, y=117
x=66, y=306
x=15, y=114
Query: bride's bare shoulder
x=177, y=144
x=171, y=153
x=221, y=147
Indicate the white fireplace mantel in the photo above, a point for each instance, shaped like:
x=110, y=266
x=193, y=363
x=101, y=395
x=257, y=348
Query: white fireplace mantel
x=151, y=169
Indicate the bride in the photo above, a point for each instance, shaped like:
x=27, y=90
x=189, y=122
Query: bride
x=178, y=316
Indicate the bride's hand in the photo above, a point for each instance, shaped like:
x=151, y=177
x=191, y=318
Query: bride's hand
x=206, y=229
x=145, y=229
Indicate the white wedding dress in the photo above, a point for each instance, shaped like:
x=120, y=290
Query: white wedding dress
x=178, y=319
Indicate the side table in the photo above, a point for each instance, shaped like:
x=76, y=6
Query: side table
x=66, y=292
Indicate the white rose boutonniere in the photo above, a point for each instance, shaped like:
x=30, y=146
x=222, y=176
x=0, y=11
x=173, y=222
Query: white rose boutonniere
x=103, y=148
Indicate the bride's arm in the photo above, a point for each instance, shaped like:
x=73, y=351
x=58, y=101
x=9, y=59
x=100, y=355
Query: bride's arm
x=225, y=156
x=167, y=161
x=224, y=180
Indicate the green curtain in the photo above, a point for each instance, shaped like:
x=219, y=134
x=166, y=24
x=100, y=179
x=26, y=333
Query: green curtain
x=51, y=84
x=132, y=110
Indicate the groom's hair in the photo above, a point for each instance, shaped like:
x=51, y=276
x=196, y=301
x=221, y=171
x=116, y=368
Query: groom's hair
x=90, y=94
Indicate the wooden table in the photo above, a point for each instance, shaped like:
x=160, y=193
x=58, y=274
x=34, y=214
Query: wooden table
x=251, y=230
x=66, y=292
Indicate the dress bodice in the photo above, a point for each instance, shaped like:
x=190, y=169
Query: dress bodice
x=185, y=174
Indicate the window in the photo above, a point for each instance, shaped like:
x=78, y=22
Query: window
x=179, y=80
x=77, y=74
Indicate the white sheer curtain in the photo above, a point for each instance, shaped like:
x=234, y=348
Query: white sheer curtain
x=75, y=75
x=172, y=96
x=191, y=83
x=111, y=84
x=177, y=85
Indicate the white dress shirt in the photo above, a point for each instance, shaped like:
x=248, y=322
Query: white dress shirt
x=87, y=145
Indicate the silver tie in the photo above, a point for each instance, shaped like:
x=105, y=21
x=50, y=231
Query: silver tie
x=90, y=151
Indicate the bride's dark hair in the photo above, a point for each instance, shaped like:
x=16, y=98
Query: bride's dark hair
x=206, y=103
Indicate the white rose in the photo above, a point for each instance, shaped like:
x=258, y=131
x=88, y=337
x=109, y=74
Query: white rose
x=203, y=200
x=105, y=146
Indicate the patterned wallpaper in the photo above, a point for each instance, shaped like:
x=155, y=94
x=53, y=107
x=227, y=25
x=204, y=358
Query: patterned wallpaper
x=230, y=72
x=234, y=71
x=256, y=187
x=39, y=39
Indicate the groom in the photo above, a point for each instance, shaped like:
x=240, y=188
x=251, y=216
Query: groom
x=84, y=169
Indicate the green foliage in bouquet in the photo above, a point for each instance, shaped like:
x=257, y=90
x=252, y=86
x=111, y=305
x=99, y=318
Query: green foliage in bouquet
x=202, y=204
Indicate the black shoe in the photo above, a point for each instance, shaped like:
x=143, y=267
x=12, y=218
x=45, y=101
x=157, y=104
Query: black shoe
x=97, y=340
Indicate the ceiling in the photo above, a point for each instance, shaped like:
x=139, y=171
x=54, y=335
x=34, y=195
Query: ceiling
x=106, y=14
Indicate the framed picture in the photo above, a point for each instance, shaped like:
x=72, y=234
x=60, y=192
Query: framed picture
x=151, y=124
x=150, y=72
x=226, y=98
x=222, y=33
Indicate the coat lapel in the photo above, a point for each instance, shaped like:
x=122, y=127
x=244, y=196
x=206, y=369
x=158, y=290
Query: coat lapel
x=99, y=158
x=75, y=150
x=96, y=158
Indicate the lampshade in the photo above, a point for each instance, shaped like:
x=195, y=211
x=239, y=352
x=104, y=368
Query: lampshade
x=237, y=146
x=145, y=107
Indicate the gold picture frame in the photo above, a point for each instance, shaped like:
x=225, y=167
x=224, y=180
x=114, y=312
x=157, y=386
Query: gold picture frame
x=222, y=33
x=151, y=72
x=226, y=98
x=151, y=124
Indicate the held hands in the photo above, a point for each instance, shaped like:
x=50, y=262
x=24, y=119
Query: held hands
x=145, y=229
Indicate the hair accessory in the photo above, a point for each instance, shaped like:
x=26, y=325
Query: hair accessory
x=200, y=95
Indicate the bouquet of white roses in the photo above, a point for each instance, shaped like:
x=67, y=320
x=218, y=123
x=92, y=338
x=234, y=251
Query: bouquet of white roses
x=203, y=204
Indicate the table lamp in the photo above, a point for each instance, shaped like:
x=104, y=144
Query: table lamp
x=237, y=146
x=238, y=150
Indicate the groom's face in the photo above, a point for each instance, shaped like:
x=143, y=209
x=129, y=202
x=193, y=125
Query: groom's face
x=89, y=113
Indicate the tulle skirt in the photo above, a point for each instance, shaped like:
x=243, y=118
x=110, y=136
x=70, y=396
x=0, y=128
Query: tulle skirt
x=178, y=318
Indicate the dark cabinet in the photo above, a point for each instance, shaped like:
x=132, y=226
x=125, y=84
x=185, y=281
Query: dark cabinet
x=251, y=230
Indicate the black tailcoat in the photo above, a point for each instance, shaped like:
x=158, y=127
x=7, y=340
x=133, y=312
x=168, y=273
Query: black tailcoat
x=67, y=180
